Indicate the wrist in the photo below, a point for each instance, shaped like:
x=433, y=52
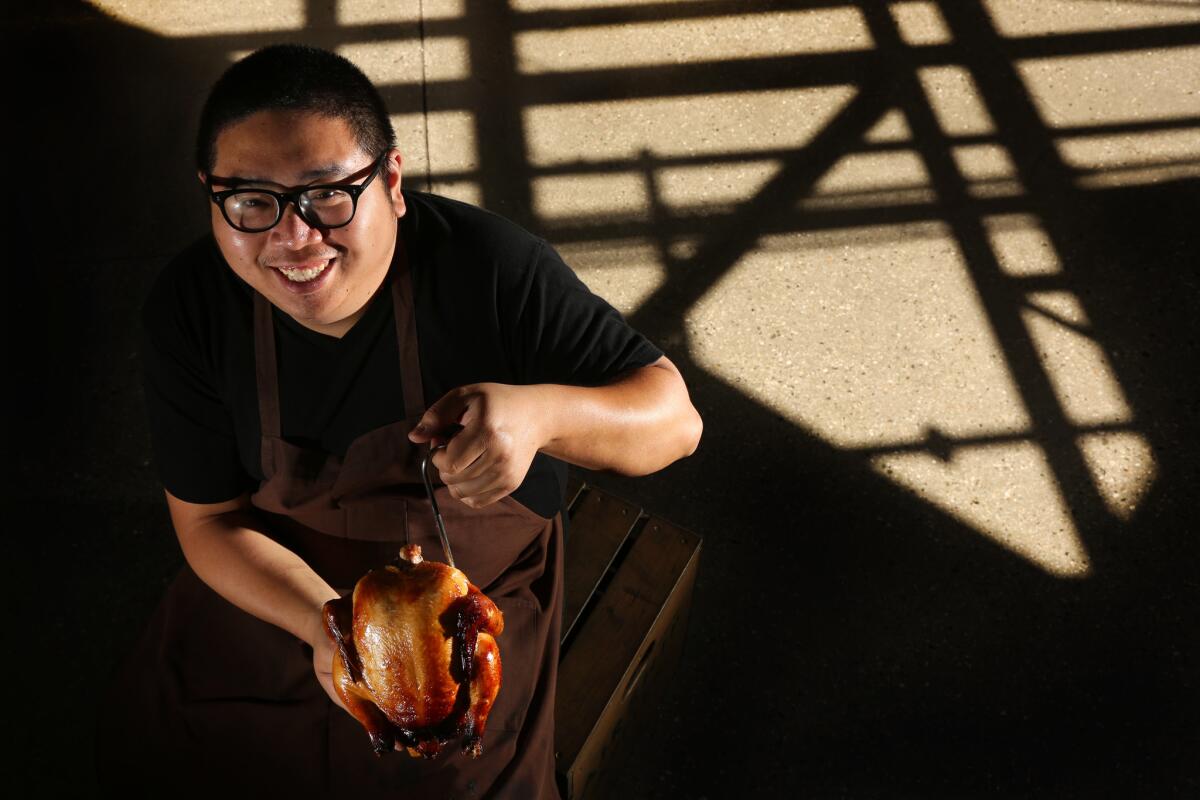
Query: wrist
x=316, y=632
x=546, y=417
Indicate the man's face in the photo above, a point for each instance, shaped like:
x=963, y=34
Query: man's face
x=321, y=277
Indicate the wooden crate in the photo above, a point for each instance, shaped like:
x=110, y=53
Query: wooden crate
x=629, y=579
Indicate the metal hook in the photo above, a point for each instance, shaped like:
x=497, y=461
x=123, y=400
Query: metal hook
x=437, y=513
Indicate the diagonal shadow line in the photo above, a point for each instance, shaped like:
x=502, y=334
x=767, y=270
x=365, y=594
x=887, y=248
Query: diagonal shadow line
x=1059, y=319
x=1055, y=200
x=661, y=315
x=999, y=298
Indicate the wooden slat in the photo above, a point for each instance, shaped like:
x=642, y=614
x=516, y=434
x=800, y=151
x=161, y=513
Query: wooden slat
x=632, y=705
x=602, y=653
x=600, y=524
x=575, y=485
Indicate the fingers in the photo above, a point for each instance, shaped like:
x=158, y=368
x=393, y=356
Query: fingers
x=484, y=491
x=487, y=498
x=440, y=417
x=326, y=681
x=461, y=455
x=492, y=476
x=491, y=441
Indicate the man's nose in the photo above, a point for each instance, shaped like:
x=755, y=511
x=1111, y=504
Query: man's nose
x=292, y=231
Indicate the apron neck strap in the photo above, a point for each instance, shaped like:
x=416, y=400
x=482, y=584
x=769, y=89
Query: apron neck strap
x=404, y=310
x=265, y=367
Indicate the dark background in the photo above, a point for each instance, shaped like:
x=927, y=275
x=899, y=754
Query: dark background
x=847, y=638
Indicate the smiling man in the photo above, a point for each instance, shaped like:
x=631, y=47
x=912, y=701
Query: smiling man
x=300, y=361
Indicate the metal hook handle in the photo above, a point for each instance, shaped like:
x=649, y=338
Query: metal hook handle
x=437, y=513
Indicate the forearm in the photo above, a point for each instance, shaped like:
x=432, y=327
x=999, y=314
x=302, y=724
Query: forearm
x=634, y=426
x=230, y=553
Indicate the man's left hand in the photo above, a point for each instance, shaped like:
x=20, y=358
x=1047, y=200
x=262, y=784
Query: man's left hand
x=489, y=457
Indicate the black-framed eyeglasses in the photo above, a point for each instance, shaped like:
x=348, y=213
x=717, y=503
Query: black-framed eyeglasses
x=326, y=205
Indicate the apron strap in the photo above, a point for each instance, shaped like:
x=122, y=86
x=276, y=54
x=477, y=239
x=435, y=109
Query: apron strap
x=267, y=376
x=404, y=309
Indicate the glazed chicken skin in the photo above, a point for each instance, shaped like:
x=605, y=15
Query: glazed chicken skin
x=416, y=661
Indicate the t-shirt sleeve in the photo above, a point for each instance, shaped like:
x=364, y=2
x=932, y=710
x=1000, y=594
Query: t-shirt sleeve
x=563, y=333
x=191, y=430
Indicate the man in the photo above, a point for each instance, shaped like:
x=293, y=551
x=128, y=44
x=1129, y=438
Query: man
x=299, y=363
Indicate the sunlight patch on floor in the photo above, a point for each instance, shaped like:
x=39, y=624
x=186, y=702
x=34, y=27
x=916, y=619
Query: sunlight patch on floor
x=920, y=22
x=382, y=12
x=1041, y=17
x=715, y=124
x=614, y=196
x=1007, y=492
x=884, y=348
x=1107, y=161
x=1123, y=467
x=861, y=180
x=397, y=62
x=1083, y=380
x=1021, y=245
x=713, y=186
x=954, y=98
x=623, y=272
x=1087, y=90
x=697, y=40
x=891, y=127
x=866, y=345
x=185, y=18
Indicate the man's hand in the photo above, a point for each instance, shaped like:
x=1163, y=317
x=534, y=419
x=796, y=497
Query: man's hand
x=636, y=424
x=501, y=433
x=323, y=650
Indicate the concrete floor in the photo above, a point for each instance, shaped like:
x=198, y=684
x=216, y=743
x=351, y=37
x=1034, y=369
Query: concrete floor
x=930, y=270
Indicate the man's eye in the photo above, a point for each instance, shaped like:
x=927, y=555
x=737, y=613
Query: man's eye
x=251, y=202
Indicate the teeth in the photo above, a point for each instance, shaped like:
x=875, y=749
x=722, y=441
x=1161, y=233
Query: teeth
x=303, y=275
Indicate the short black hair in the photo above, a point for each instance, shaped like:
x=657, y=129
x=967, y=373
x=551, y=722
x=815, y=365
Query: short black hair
x=298, y=78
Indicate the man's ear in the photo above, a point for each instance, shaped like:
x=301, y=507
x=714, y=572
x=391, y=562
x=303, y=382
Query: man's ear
x=203, y=178
x=393, y=170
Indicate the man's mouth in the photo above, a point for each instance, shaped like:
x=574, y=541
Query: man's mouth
x=303, y=273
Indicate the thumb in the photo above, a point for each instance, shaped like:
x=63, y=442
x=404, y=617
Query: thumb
x=440, y=419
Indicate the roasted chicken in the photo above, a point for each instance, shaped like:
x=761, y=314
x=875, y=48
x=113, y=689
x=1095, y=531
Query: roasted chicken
x=416, y=661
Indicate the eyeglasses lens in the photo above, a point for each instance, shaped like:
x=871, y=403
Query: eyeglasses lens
x=331, y=206
x=251, y=210
x=257, y=211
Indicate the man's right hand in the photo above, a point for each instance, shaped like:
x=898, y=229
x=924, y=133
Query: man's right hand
x=323, y=653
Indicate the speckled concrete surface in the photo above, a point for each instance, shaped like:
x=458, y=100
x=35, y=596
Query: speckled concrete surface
x=929, y=268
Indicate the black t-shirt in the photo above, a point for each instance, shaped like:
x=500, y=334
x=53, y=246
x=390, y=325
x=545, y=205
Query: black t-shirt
x=493, y=303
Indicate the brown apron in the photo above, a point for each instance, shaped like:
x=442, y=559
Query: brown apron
x=214, y=699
